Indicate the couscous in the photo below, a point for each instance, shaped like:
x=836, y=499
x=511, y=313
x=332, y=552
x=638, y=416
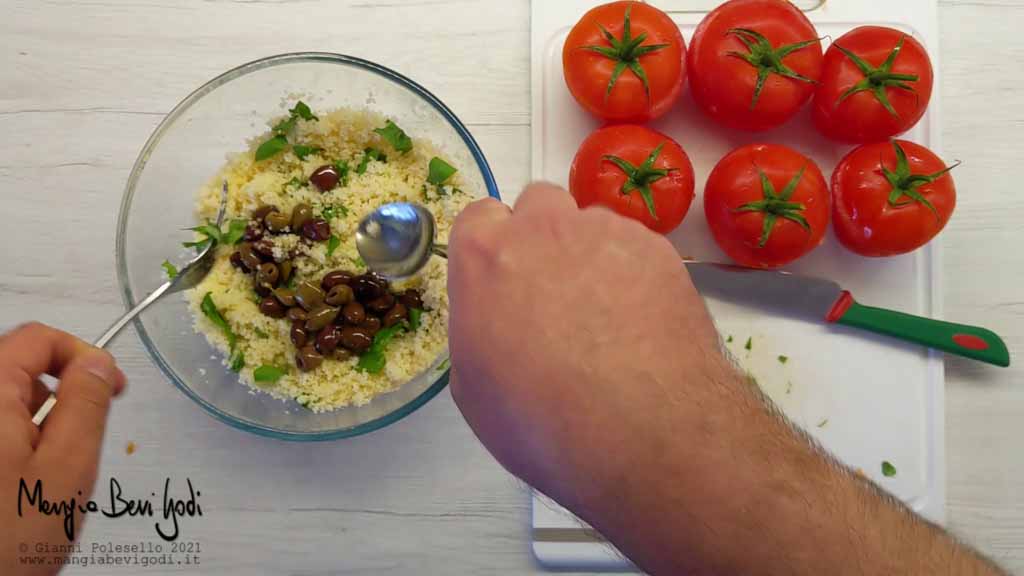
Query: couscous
x=289, y=303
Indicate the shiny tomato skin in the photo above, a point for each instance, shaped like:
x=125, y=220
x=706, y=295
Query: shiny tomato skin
x=735, y=181
x=593, y=180
x=587, y=73
x=861, y=118
x=863, y=219
x=723, y=85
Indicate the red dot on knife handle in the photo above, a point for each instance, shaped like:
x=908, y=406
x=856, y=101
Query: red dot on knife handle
x=970, y=341
x=840, y=307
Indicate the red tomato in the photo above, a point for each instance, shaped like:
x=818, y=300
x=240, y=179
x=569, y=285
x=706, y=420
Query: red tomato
x=625, y=62
x=753, y=63
x=767, y=205
x=876, y=83
x=891, y=198
x=635, y=171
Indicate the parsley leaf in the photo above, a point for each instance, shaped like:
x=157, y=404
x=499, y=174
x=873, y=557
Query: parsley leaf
x=170, y=269
x=329, y=212
x=272, y=147
x=439, y=171
x=415, y=315
x=210, y=311
x=370, y=154
x=342, y=167
x=238, y=362
x=888, y=470
x=373, y=361
x=268, y=374
x=395, y=136
x=295, y=182
x=332, y=245
x=236, y=229
x=302, y=111
x=286, y=125
x=301, y=151
x=358, y=261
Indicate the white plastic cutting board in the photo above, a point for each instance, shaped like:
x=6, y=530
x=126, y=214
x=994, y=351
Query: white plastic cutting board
x=867, y=399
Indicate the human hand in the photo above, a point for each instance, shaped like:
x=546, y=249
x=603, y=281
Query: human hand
x=64, y=452
x=571, y=332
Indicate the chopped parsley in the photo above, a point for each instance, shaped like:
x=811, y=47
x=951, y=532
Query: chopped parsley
x=279, y=141
x=277, y=144
x=238, y=361
x=395, y=136
x=368, y=155
x=358, y=261
x=210, y=311
x=268, y=374
x=888, y=470
x=439, y=171
x=301, y=151
x=170, y=269
x=329, y=212
x=374, y=360
x=444, y=365
x=750, y=343
x=332, y=245
x=234, y=233
x=783, y=359
x=342, y=167
x=295, y=182
x=728, y=340
x=823, y=422
x=261, y=334
x=415, y=317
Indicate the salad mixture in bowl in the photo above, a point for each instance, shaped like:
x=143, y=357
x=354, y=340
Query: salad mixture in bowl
x=289, y=303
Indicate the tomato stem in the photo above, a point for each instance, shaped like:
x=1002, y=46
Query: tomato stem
x=767, y=59
x=879, y=80
x=777, y=205
x=905, y=183
x=626, y=53
x=639, y=178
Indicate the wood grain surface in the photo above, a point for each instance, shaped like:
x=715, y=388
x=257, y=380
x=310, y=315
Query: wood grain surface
x=82, y=85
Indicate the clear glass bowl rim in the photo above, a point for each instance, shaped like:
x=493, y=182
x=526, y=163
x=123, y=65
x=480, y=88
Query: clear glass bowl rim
x=140, y=164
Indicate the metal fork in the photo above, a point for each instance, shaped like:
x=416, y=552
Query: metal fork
x=188, y=277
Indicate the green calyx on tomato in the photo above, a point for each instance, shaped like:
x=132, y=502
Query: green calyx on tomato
x=878, y=80
x=639, y=178
x=904, y=183
x=775, y=206
x=766, y=59
x=626, y=53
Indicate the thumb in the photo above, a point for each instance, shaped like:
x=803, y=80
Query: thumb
x=73, y=433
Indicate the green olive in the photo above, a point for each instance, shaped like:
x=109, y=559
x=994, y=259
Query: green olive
x=277, y=221
x=267, y=275
x=285, y=296
x=309, y=295
x=286, y=271
x=301, y=214
x=319, y=319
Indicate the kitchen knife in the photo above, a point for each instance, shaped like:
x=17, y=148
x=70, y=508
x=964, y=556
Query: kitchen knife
x=817, y=299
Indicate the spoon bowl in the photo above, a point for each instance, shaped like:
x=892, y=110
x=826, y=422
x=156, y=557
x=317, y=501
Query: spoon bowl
x=396, y=240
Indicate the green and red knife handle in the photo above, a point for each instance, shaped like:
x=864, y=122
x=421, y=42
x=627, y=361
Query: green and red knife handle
x=968, y=341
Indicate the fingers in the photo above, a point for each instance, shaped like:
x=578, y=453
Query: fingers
x=544, y=197
x=73, y=433
x=34, y=349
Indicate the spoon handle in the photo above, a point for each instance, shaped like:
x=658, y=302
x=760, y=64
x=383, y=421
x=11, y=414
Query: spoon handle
x=440, y=250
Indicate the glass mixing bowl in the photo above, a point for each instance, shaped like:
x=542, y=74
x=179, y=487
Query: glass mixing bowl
x=188, y=148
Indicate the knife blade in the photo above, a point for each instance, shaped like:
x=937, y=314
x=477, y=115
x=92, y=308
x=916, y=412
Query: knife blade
x=791, y=295
x=820, y=300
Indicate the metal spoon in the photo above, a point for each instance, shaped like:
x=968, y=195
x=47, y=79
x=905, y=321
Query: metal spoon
x=396, y=240
x=188, y=277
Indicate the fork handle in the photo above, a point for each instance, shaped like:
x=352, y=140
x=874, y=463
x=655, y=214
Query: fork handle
x=105, y=339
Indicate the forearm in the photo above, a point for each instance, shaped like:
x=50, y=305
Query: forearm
x=738, y=491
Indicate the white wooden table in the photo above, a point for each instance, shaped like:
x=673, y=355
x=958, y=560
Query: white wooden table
x=82, y=85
